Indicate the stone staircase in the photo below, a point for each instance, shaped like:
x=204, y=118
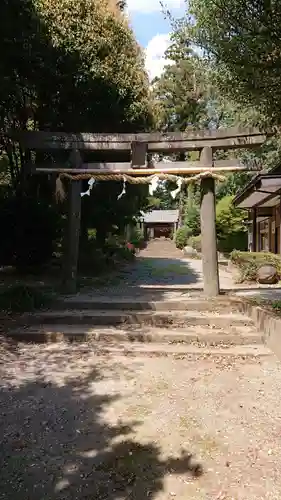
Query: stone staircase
x=179, y=326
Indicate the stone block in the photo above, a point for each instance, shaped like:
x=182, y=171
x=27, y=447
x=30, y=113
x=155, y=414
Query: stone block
x=189, y=251
x=268, y=275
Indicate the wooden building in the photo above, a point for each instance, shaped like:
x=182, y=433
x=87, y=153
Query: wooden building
x=160, y=223
x=262, y=199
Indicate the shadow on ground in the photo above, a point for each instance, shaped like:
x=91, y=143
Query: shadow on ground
x=56, y=443
x=156, y=271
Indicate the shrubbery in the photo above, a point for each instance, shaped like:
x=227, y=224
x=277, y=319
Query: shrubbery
x=195, y=242
x=23, y=298
x=181, y=237
x=249, y=263
x=30, y=230
x=235, y=240
x=95, y=260
x=192, y=220
x=137, y=238
x=231, y=229
x=82, y=57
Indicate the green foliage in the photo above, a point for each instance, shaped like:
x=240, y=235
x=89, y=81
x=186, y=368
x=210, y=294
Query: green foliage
x=229, y=218
x=236, y=240
x=237, y=82
x=233, y=183
x=124, y=254
x=153, y=203
x=276, y=305
x=108, y=65
x=22, y=298
x=179, y=93
x=231, y=228
x=249, y=263
x=163, y=198
x=137, y=238
x=90, y=70
x=181, y=237
x=72, y=65
x=108, y=215
x=96, y=259
x=195, y=242
x=243, y=39
x=30, y=232
x=192, y=219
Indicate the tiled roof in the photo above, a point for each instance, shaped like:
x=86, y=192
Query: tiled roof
x=161, y=216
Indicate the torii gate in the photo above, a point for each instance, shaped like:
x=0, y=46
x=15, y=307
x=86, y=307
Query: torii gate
x=140, y=147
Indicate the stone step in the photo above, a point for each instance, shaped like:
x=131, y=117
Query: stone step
x=177, y=350
x=184, y=351
x=82, y=333
x=113, y=318
x=129, y=304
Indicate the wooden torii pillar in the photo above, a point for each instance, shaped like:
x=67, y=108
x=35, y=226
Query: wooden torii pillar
x=72, y=228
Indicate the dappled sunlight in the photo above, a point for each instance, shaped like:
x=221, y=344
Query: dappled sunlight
x=161, y=263
x=164, y=271
x=62, y=438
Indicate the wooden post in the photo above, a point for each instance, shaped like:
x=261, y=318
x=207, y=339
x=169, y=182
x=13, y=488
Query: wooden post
x=72, y=230
x=208, y=229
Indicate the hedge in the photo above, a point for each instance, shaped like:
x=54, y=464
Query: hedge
x=181, y=237
x=249, y=263
x=23, y=298
x=195, y=242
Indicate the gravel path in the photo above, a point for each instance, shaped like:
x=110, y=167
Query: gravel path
x=161, y=264
x=80, y=426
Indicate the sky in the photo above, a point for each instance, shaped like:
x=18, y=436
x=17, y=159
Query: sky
x=152, y=29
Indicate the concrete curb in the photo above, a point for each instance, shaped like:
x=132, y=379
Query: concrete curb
x=266, y=322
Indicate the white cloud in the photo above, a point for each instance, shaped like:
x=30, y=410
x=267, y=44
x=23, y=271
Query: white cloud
x=153, y=5
x=155, y=61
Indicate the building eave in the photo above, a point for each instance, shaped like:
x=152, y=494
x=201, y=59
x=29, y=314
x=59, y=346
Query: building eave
x=263, y=191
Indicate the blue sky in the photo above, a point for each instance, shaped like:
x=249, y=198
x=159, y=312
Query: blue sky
x=152, y=29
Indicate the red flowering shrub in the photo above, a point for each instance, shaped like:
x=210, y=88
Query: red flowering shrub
x=130, y=247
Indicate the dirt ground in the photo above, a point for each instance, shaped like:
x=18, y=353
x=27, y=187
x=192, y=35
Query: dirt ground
x=79, y=425
x=76, y=425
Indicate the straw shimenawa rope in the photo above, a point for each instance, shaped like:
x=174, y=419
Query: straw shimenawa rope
x=60, y=191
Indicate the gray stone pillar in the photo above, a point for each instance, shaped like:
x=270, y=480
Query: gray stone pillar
x=208, y=229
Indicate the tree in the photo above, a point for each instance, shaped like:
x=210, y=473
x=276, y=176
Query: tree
x=231, y=228
x=242, y=39
x=70, y=66
x=240, y=85
x=191, y=218
x=181, y=98
x=60, y=75
x=178, y=93
x=163, y=194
